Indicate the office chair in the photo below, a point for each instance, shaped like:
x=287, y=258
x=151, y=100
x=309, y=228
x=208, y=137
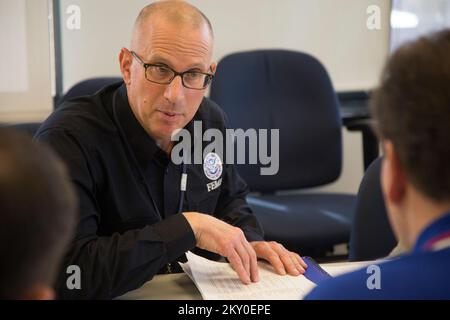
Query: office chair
x=87, y=87
x=290, y=91
x=371, y=236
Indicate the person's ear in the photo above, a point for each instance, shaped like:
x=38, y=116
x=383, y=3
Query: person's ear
x=213, y=68
x=125, y=60
x=393, y=175
x=40, y=292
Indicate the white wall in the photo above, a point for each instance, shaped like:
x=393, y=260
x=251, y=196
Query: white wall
x=13, y=33
x=25, y=84
x=332, y=30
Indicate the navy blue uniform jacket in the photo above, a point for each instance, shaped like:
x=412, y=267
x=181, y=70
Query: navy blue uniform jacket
x=129, y=192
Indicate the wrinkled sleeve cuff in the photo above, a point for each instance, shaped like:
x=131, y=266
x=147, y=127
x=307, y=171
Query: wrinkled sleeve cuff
x=176, y=234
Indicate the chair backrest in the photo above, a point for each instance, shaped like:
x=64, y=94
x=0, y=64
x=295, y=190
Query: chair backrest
x=371, y=236
x=290, y=91
x=88, y=87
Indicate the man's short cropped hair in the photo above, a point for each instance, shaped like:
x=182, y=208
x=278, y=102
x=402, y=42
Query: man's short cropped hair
x=412, y=109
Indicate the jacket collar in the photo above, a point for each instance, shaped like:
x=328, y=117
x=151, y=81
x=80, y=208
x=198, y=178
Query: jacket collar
x=433, y=232
x=142, y=145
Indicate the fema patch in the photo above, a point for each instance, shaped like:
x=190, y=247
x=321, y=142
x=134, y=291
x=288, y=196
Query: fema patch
x=212, y=166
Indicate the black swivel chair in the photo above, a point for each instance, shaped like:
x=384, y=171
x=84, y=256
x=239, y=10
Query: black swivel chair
x=87, y=87
x=372, y=236
x=290, y=91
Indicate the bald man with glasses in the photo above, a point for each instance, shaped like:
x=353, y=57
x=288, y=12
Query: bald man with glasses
x=137, y=218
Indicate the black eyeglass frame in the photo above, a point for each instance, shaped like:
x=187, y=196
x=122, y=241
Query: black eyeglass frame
x=208, y=79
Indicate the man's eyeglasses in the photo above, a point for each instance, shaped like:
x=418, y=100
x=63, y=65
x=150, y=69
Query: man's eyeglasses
x=162, y=74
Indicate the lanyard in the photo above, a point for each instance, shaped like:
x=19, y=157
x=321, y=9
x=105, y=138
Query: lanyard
x=183, y=184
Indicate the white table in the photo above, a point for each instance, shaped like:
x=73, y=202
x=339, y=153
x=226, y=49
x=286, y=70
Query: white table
x=176, y=286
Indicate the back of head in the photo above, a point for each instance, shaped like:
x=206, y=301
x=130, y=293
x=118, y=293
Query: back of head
x=37, y=214
x=412, y=110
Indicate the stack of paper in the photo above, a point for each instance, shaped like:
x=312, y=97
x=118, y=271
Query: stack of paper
x=218, y=281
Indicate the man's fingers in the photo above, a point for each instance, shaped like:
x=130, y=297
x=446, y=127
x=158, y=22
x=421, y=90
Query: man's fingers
x=300, y=261
x=291, y=260
x=280, y=258
x=275, y=261
x=254, y=272
x=264, y=250
x=237, y=265
x=297, y=262
x=244, y=257
x=288, y=263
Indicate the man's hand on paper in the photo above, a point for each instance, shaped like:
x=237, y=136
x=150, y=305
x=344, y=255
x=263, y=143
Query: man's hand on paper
x=282, y=260
x=220, y=237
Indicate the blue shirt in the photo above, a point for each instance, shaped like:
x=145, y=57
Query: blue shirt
x=422, y=274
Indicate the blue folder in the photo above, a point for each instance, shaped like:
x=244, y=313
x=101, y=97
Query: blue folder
x=314, y=272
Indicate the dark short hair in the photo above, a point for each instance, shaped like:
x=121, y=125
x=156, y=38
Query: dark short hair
x=37, y=214
x=411, y=108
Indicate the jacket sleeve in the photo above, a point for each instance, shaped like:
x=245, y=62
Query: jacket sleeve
x=113, y=265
